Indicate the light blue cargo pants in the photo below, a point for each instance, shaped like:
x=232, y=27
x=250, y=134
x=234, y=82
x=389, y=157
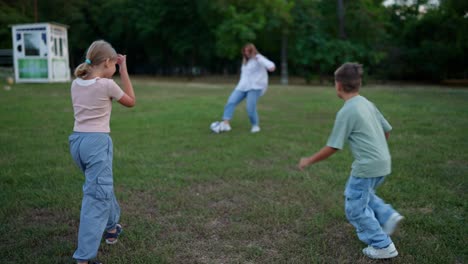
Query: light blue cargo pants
x=92, y=152
x=366, y=211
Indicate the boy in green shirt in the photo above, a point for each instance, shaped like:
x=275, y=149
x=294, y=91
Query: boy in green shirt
x=361, y=124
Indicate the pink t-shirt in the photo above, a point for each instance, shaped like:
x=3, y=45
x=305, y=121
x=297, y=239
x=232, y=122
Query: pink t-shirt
x=92, y=103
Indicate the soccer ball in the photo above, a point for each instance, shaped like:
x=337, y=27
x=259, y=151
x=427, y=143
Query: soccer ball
x=10, y=80
x=216, y=127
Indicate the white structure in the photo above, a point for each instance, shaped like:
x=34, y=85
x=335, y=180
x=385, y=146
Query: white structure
x=40, y=53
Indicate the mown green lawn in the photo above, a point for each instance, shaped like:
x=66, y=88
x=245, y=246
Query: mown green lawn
x=190, y=196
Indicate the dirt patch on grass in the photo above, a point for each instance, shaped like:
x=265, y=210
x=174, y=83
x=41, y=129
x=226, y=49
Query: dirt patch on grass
x=139, y=202
x=224, y=221
x=53, y=220
x=341, y=245
x=420, y=210
x=239, y=221
x=39, y=231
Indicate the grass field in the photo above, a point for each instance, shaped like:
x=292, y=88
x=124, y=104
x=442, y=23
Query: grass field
x=190, y=196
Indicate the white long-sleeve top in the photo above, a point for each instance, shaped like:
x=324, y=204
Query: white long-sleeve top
x=254, y=75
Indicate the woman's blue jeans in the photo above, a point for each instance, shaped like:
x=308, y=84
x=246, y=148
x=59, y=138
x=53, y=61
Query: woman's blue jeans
x=366, y=211
x=251, y=103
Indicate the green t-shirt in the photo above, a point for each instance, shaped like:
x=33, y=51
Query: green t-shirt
x=361, y=123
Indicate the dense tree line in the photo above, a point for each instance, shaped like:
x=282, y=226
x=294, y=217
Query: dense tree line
x=408, y=39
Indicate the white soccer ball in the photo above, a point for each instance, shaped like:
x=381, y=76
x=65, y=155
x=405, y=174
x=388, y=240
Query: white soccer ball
x=215, y=127
x=7, y=87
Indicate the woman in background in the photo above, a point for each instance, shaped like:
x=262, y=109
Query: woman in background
x=253, y=83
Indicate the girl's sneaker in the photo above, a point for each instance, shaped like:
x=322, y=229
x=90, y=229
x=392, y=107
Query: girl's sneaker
x=112, y=238
x=390, y=226
x=380, y=253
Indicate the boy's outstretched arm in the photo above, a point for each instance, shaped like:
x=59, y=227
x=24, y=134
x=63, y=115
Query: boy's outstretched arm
x=322, y=154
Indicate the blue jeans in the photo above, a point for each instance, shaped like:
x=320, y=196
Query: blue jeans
x=366, y=211
x=92, y=153
x=251, y=103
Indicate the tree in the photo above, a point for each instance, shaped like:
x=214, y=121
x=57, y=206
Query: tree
x=319, y=46
x=12, y=12
x=341, y=18
x=253, y=21
x=410, y=39
x=430, y=45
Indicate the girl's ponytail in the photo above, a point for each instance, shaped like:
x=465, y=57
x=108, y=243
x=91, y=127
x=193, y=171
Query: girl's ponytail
x=82, y=70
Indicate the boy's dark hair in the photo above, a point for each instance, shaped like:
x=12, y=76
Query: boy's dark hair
x=350, y=76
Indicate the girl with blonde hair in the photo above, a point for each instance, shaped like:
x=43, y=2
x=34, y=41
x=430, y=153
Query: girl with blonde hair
x=91, y=146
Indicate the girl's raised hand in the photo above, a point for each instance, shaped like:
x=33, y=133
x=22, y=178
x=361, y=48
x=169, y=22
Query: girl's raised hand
x=122, y=62
x=121, y=59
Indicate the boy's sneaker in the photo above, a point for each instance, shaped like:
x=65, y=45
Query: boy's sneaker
x=255, y=129
x=390, y=226
x=380, y=253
